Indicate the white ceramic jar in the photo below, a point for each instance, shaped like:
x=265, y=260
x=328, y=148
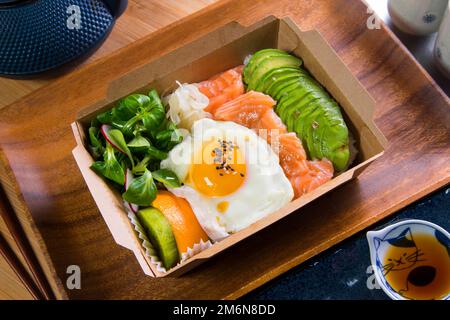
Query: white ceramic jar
x=417, y=17
x=442, y=46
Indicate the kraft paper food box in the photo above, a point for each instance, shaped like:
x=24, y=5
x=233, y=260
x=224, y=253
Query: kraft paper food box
x=215, y=52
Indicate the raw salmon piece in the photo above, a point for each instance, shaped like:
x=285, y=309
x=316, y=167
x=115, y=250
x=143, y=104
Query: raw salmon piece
x=222, y=88
x=291, y=154
x=254, y=110
x=246, y=110
x=270, y=126
x=320, y=171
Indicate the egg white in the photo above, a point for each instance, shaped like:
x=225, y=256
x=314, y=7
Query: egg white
x=264, y=190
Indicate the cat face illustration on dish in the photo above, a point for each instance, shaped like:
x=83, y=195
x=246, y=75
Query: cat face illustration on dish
x=406, y=255
x=411, y=260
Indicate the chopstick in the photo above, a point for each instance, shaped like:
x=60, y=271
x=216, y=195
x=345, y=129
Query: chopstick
x=19, y=236
x=19, y=269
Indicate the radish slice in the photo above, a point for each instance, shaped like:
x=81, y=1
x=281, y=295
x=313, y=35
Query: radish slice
x=134, y=208
x=128, y=180
x=105, y=128
x=117, y=140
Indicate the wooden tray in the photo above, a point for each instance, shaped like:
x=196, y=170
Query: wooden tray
x=36, y=144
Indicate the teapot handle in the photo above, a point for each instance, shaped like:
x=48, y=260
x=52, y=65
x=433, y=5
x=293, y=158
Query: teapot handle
x=117, y=7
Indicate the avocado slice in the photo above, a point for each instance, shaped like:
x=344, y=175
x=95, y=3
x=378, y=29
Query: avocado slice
x=159, y=232
x=310, y=112
x=295, y=99
x=277, y=90
x=289, y=109
x=268, y=64
x=312, y=95
x=330, y=138
x=282, y=89
x=303, y=105
x=274, y=76
x=290, y=95
x=324, y=132
x=285, y=91
x=257, y=57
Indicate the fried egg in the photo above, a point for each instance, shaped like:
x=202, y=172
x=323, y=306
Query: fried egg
x=231, y=177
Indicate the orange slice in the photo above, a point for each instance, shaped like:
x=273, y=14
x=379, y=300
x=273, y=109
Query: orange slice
x=185, y=227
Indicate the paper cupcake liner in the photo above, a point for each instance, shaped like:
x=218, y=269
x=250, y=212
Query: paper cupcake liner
x=150, y=251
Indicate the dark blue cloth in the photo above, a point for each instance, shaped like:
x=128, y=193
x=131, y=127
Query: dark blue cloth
x=343, y=272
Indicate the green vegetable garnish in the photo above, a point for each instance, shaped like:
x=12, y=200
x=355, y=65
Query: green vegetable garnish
x=167, y=177
x=96, y=147
x=110, y=167
x=156, y=153
x=129, y=141
x=129, y=106
x=139, y=143
x=118, y=139
x=155, y=112
x=105, y=117
x=142, y=191
x=138, y=129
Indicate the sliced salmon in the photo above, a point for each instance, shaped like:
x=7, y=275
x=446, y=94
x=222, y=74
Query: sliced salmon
x=254, y=110
x=320, y=171
x=247, y=109
x=270, y=126
x=222, y=88
x=292, y=155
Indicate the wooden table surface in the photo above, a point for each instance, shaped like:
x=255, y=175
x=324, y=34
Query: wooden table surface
x=47, y=190
x=141, y=18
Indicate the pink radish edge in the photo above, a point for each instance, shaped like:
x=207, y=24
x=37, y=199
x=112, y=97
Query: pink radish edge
x=128, y=179
x=105, y=128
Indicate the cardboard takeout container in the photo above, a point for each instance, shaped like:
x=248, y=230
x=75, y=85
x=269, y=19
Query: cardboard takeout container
x=217, y=51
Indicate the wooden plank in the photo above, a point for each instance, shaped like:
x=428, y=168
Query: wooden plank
x=4, y=231
x=16, y=277
x=411, y=111
x=24, y=261
x=11, y=286
x=141, y=18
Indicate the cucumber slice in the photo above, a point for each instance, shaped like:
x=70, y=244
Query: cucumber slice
x=159, y=232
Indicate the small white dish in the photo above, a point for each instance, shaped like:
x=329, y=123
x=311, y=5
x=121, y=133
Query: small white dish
x=410, y=256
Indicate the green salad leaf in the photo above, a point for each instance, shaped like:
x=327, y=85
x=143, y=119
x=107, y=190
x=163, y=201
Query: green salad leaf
x=167, y=177
x=155, y=153
x=139, y=143
x=142, y=165
x=96, y=145
x=129, y=106
x=110, y=167
x=142, y=191
x=138, y=129
x=106, y=117
x=155, y=113
x=118, y=139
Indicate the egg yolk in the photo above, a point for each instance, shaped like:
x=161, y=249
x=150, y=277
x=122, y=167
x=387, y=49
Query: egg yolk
x=220, y=170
